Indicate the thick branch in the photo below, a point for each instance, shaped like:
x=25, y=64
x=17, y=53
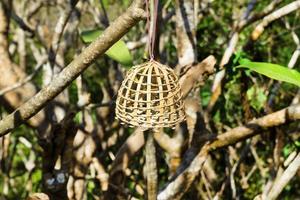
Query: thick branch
x=111, y=35
x=197, y=73
x=186, y=174
x=186, y=32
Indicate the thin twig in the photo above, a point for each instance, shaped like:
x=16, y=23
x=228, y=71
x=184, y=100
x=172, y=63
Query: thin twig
x=25, y=80
x=59, y=29
x=22, y=24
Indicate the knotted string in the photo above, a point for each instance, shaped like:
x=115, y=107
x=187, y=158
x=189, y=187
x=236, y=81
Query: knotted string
x=151, y=25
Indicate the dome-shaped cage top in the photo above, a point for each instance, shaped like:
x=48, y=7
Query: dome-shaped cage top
x=150, y=97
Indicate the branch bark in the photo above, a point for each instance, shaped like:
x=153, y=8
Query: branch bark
x=185, y=32
x=285, y=178
x=10, y=72
x=111, y=35
x=188, y=171
x=259, y=29
x=117, y=174
x=23, y=81
x=151, y=167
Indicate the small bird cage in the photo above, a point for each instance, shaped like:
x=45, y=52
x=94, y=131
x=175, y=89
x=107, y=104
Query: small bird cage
x=150, y=97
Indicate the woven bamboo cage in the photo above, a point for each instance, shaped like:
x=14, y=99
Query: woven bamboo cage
x=150, y=97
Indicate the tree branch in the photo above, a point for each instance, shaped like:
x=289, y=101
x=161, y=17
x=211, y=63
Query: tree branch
x=151, y=166
x=188, y=171
x=285, y=178
x=25, y=80
x=111, y=35
x=117, y=173
x=259, y=29
x=59, y=30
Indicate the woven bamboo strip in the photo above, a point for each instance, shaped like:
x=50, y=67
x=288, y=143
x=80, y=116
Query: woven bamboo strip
x=150, y=97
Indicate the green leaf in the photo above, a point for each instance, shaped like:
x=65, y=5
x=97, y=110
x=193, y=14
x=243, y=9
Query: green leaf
x=91, y=186
x=105, y=3
x=36, y=176
x=288, y=149
x=273, y=71
x=238, y=56
x=118, y=52
x=256, y=97
x=90, y=35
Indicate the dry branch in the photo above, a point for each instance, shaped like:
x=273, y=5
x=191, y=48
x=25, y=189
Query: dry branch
x=185, y=32
x=10, y=72
x=38, y=196
x=256, y=16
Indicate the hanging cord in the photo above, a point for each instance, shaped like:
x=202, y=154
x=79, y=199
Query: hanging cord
x=152, y=11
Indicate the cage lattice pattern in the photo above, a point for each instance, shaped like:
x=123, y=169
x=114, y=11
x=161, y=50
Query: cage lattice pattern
x=150, y=97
